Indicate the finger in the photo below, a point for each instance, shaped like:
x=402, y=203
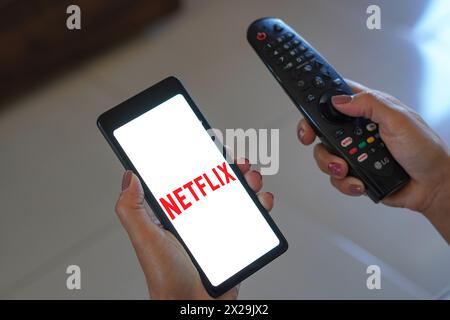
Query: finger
x=266, y=199
x=371, y=105
x=305, y=132
x=228, y=154
x=243, y=164
x=329, y=163
x=355, y=86
x=254, y=180
x=349, y=186
x=132, y=214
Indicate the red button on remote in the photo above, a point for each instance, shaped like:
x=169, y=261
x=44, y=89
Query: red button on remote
x=261, y=36
x=362, y=157
x=353, y=151
x=346, y=142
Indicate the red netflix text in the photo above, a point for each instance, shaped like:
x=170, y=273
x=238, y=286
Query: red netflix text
x=182, y=198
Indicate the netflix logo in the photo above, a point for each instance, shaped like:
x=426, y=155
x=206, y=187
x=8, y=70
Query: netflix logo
x=193, y=191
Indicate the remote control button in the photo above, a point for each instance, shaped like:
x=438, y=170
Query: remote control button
x=269, y=46
x=372, y=150
x=327, y=109
x=289, y=35
x=301, y=48
x=299, y=60
x=358, y=131
x=370, y=139
x=261, y=36
x=277, y=27
x=279, y=40
x=346, y=142
x=318, y=82
x=307, y=68
x=337, y=82
x=362, y=144
x=362, y=157
x=308, y=55
x=339, y=133
x=371, y=127
x=275, y=53
x=293, y=53
x=295, y=43
x=281, y=60
x=287, y=46
x=310, y=97
x=288, y=66
x=353, y=151
x=377, y=135
x=302, y=84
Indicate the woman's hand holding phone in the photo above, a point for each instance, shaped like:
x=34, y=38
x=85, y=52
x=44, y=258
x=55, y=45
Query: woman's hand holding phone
x=168, y=269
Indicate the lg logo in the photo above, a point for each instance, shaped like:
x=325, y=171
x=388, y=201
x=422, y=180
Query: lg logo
x=380, y=164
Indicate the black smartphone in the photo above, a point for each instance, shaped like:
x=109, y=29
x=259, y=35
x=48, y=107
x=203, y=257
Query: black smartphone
x=195, y=192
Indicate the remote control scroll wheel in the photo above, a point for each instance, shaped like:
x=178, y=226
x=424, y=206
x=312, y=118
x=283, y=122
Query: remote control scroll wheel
x=329, y=111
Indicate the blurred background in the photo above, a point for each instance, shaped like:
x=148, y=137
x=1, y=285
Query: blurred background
x=60, y=180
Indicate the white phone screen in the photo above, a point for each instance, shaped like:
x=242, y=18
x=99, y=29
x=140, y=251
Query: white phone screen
x=197, y=189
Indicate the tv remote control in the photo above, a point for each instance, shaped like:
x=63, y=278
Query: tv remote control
x=310, y=81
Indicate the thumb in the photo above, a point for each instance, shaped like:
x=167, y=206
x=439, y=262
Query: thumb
x=370, y=105
x=132, y=214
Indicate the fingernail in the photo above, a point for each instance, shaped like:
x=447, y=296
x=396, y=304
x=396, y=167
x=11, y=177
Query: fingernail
x=126, y=179
x=341, y=99
x=335, y=169
x=301, y=133
x=356, y=189
x=270, y=194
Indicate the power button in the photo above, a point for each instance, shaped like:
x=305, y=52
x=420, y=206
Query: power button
x=261, y=36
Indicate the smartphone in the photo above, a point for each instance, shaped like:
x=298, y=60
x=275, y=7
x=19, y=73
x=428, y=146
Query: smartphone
x=194, y=191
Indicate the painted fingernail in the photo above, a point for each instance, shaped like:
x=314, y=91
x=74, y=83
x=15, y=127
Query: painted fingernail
x=301, y=133
x=341, y=99
x=335, y=169
x=126, y=179
x=356, y=189
x=242, y=160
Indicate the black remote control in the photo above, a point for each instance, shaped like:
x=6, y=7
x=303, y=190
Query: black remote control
x=310, y=81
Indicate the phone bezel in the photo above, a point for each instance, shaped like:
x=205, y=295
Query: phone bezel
x=145, y=101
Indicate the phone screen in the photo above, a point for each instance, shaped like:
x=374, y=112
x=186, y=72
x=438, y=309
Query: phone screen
x=196, y=188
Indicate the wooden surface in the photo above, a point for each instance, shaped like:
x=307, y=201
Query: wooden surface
x=36, y=44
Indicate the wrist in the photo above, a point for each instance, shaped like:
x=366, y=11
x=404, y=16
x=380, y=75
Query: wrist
x=438, y=210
